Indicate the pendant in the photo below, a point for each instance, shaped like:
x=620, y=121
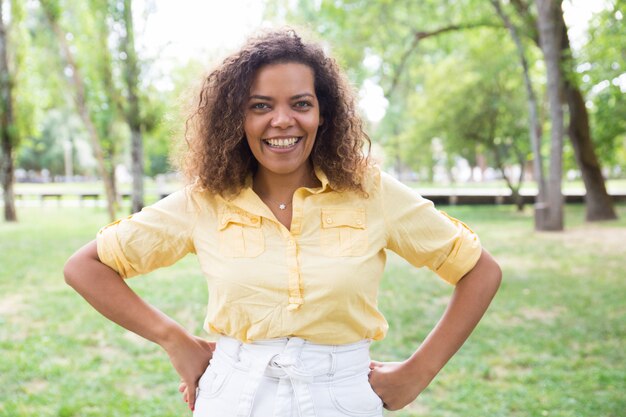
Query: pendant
x=282, y=206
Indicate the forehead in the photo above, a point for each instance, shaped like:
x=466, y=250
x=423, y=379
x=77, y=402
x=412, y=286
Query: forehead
x=290, y=77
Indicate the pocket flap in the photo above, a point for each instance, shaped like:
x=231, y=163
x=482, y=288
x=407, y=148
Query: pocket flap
x=354, y=218
x=240, y=217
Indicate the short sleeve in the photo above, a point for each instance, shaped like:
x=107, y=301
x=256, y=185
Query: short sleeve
x=157, y=236
x=425, y=236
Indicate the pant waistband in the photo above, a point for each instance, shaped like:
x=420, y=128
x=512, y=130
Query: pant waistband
x=295, y=362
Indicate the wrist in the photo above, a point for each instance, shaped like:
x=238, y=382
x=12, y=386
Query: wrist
x=420, y=370
x=172, y=335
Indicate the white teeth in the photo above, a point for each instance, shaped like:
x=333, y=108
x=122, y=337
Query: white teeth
x=282, y=143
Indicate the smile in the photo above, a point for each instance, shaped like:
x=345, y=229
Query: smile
x=282, y=143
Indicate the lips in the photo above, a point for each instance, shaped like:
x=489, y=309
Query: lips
x=282, y=143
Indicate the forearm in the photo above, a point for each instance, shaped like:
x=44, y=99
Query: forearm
x=107, y=292
x=472, y=296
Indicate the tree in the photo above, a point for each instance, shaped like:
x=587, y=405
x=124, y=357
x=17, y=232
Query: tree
x=601, y=77
x=534, y=128
x=9, y=135
x=599, y=205
x=491, y=123
x=384, y=42
x=133, y=116
x=52, y=147
x=52, y=11
x=550, y=33
x=393, y=33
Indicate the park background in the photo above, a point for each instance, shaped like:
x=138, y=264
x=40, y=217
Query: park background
x=459, y=99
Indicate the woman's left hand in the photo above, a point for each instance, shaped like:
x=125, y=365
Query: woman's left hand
x=392, y=382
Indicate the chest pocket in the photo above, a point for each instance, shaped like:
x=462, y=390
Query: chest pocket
x=240, y=234
x=344, y=232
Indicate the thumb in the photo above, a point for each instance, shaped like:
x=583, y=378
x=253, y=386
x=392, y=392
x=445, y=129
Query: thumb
x=375, y=364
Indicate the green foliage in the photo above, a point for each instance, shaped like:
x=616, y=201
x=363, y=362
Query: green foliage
x=461, y=85
x=449, y=85
x=602, y=74
x=18, y=61
x=46, y=150
x=93, y=30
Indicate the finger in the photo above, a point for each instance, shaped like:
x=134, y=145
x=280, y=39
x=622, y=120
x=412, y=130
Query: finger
x=375, y=364
x=182, y=387
x=191, y=396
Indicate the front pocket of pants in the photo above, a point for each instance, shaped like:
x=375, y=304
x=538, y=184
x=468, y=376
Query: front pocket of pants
x=211, y=383
x=354, y=396
x=343, y=232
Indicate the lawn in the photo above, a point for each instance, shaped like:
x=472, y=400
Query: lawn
x=552, y=344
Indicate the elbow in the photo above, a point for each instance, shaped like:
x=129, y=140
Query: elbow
x=492, y=274
x=486, y=274
x=497, y=276
x=70, y=271
x=79, y=265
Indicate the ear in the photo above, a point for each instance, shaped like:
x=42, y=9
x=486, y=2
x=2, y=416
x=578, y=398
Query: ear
x=321, y=121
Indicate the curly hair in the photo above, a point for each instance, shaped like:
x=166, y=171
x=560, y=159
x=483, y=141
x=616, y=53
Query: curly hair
x=218, y=155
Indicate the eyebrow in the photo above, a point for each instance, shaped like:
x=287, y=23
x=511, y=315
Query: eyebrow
x=267, y=98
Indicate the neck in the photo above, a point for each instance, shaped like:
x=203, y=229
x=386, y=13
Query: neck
x=279, y=187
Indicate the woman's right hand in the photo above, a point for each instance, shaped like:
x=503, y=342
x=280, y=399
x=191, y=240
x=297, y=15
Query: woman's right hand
x=190, y=356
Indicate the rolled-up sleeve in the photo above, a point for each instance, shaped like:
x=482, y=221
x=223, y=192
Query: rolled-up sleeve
x=157, y=236
x=425, y=236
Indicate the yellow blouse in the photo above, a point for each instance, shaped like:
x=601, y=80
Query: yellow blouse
x=319, y=280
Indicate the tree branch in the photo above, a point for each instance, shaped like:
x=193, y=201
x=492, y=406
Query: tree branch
x=418, y=35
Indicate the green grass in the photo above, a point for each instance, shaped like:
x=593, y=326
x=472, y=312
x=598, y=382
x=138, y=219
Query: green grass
x=552, y=344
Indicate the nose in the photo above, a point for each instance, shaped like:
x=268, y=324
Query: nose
x=282, y=118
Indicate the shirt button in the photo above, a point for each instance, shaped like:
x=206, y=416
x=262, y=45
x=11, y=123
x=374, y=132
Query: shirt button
x=254, y=220
x=291, y=242
x=329, y=220
x=359, y=222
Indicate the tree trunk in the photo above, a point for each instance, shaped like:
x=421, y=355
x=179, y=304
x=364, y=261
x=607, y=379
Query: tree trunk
x=81, y=105
x=599, y=205
x=550, y=32
x=132, y=114
x=534, y=127
x=7, y=126
x=598, y=202
x=517, y=198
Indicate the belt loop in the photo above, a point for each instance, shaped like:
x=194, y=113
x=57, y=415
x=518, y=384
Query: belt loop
x=294, y=347
x=333, y=362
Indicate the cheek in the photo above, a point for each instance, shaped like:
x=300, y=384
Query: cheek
x=253, y=125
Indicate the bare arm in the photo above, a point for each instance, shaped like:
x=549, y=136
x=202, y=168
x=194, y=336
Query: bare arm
x=399, y=383
x=107, y=292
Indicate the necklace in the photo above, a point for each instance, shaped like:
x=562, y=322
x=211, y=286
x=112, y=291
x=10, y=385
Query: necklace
x=281, y=206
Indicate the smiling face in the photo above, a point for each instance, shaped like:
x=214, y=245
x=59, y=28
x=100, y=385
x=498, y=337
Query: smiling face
x=281, y=119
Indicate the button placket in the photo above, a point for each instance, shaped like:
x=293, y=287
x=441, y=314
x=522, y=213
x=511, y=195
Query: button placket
x=294, y=280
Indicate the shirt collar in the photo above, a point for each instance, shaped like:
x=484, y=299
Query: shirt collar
x=321, y=176
x=249, y=201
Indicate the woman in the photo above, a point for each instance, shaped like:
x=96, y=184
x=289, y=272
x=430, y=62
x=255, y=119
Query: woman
x=290, y=225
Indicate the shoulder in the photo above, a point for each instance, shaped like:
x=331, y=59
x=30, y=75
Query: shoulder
x=381, y=184
x=192, y=198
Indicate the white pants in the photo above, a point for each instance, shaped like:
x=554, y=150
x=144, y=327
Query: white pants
x=287, y=378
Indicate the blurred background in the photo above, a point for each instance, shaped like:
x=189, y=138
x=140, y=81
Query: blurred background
x=511, y=113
